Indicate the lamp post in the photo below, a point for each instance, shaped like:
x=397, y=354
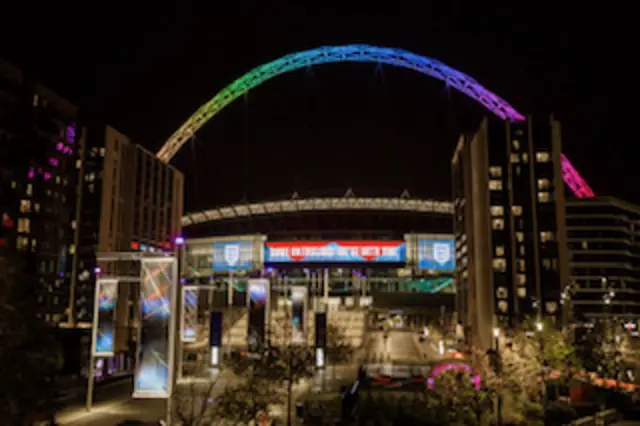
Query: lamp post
x=498, y=370
x=539, y=329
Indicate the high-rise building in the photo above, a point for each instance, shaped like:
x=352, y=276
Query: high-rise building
x=38, y=151
x=509, y=224
x=604, y=244
x=130, y=201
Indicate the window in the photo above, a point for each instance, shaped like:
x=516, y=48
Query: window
x=543, y=197
x=520, y=236
x=73, y=224
x=585, y=245
x=546, y=263
x=514, y=157
x=495, y=171
x=543, y=157
x=497, y=211
x=522, y=292
x=497, y=224
x=499, y=265
x=29, y=190
x=525, y=157
x=102, y=152
x=522, y=250
x=543, y=184
x=516, y=144
x=36, y=207
x=36, y=99
x=22, y=243
x=521, y=279
x=546, y=236
x=72, y=249
x=516, y=210
x=78, y=164
x=500, y=251
x=522, y=267
x=495, y=185
x=24, y=225
x=25, y=206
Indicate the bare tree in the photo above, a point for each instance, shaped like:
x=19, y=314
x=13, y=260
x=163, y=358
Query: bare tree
x=193, y=403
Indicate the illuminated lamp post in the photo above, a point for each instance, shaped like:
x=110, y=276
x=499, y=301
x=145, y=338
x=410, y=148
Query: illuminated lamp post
x=498, y=371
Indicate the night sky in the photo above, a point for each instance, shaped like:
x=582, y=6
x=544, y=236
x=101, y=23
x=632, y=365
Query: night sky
x=318, y=131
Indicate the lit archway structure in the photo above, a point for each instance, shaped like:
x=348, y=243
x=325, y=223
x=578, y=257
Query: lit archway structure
x=356, y=53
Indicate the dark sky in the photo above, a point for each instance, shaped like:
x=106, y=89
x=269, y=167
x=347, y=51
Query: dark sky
x=377, y=129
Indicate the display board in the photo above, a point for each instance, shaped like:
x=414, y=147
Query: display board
x=335, y=252
x=153, y=377
x=104, y=317
x=233, y=255
x=436, y=254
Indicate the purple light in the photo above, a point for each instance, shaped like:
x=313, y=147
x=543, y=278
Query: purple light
x=47, y=175
x=54, y=162
x=179, y=241
x=71, y=134
x=574, y=181
x=32, y=173
x=97, y=270
x=59, y=146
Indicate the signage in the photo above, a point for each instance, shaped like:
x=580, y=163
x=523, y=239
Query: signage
x=258, y=291
x=436, y=254
x=298, y=305
x=232, y=255
x=104, y=317
x=189, y=314
x=335, y=252
x=155, y=359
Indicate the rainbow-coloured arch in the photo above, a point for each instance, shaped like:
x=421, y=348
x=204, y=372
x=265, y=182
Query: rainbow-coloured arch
x=354, y=53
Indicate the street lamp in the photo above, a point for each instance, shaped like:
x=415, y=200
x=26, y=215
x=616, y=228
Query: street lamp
x=539, y=326
x=498, y=371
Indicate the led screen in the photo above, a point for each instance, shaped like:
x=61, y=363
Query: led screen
x=232, y=255
x=258, y=299
x=298, y=302
x=104, y=316
x=153, y=373
x=436, y=254
x=335, y=252
x=189, y=314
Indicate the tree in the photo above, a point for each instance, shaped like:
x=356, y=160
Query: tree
x=30, y=355
x=192, y=404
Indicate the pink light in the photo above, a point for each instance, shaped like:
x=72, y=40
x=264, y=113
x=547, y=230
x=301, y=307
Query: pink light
x=59, y=146
x=71, y=134
x=54, y=162
x=574, y=181
x=32, y=173
x=47, y=175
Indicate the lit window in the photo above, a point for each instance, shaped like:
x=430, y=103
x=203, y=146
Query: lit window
x=500, y=251
x=102, y=152
x=514, y=157
x=543, y=184
x=516, y=210
x=522, y=292
x=58, y=180
x=78, y=164
x=73, y=224
x=546, y=263
x=36, y=99
x=521, y=279
x=516, y=144
x=585, y=245
x=24, y=225
x=72, y=249
x=13, y=184
x=497, y=211
x=495, y=185
x=522, y=267
x=495, y=171
x=25, y=206
x=22, y=243
x=543, y=197
x=36, y=207
x=520, y=236
x=525, y=157
x=29, y=190
x=499, y=265
x=522, y=250
x=497, y=224
x=34, y=244
x=546, y=236
x=543, y=157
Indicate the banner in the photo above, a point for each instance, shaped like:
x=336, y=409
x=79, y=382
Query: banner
x=155, y=347
x=298, y=309
x=335, y=252
x=215, y=329
x=104, y=317
x=321, y=329
x=232, y=255
x=437, y=255
x=258, y=300
x=189, y=314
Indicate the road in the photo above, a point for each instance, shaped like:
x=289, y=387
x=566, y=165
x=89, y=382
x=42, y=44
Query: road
x=400, y=347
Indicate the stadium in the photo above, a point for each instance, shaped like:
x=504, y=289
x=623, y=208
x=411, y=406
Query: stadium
x=366, y=261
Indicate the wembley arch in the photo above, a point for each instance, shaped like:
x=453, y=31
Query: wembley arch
x=356, y=53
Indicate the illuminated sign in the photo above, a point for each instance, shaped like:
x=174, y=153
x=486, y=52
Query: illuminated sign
x=232, y=255
x=189, y=313
x=436, y=254
x=258, y=300
x=104, y=316
x=335, y=251
x=155, y=359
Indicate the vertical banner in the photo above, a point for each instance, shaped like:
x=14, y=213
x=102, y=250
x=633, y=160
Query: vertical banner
x=104, y=315
x=189, y=319
x=258, y=300
x=298, y=310
x=321, y=330
x=154, y=371
x=215, y=337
